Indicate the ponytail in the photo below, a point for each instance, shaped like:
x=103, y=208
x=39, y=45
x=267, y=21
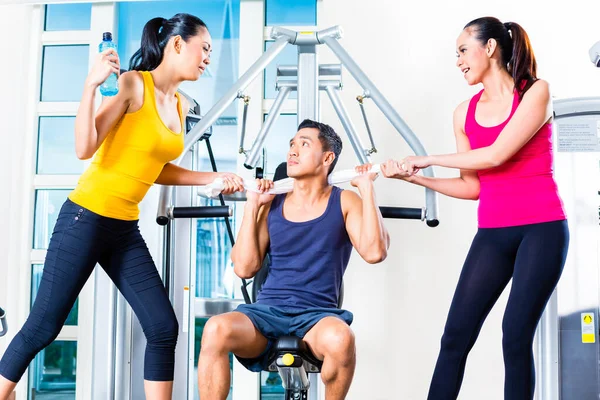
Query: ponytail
x=522, y=65
x=150, y=53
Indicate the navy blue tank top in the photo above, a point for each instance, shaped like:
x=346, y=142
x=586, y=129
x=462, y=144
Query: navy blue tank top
x=308, y=259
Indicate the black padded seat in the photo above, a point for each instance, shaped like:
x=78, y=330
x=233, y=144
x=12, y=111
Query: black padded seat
x=296, y=347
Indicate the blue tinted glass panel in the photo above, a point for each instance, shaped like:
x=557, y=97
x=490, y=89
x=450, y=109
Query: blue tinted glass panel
x=295, y=12
x=288, y=56
x=222, y=18
x=271, y=386
x=277, y=142
x=53, y=372
x=47, y=206
x=56, y=147
x=64, y=69
x=214, y=270
x=68, y=17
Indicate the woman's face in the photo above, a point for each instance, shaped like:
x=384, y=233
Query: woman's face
x=473, y=58
x=195, y=55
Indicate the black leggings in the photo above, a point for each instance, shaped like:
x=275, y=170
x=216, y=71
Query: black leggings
x=533, y=256
x=79, y=241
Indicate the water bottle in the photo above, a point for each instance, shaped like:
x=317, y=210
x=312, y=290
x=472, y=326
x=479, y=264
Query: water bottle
x=110, y=87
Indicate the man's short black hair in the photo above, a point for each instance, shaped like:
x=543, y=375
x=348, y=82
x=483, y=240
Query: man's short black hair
x=329, y=139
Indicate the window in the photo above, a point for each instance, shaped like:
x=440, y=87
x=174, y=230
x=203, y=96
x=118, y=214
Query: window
x=53, y=371
x=47, y=207
x=68, y=17
x=288, y=56
x=56, y=147
x=300, y=13
x=271, y=386
x=64, y=69
x=214, y=270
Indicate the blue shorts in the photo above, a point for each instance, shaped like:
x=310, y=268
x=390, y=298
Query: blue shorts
x=274, y=322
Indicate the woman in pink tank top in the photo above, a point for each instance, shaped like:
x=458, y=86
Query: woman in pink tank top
x=504, y=141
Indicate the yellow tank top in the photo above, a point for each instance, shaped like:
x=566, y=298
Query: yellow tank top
x=129, y=160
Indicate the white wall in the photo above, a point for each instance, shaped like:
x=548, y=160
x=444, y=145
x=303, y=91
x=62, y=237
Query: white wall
x=400, y=306
x=12, y=142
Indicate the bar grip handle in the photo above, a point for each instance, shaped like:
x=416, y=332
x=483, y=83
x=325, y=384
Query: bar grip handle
x=202, y=212
x=402, y=212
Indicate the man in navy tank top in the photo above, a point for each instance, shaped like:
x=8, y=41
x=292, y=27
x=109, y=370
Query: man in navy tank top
x=309, y=234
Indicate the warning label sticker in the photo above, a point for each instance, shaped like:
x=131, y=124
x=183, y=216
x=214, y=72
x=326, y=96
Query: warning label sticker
x=588, y=330
x=581, y=135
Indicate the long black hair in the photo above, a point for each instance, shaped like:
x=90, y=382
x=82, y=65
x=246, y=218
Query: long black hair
x=515, y=49
x=156, y=35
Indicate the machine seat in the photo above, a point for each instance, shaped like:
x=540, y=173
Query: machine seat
x=291, y=351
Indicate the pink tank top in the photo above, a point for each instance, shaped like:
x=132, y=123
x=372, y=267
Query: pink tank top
x=522, y=190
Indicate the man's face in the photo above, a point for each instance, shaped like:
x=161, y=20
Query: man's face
x=306, y=156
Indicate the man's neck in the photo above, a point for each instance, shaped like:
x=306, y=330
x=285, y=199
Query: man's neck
x=310, y=190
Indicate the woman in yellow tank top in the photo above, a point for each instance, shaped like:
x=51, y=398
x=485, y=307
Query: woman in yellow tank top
x=134, y=136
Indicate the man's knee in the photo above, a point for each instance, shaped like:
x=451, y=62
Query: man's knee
x=218, y=334
x=339, y=343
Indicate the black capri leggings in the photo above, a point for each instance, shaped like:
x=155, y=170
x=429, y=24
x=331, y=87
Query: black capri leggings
x=533, y=256
x=81, y=239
